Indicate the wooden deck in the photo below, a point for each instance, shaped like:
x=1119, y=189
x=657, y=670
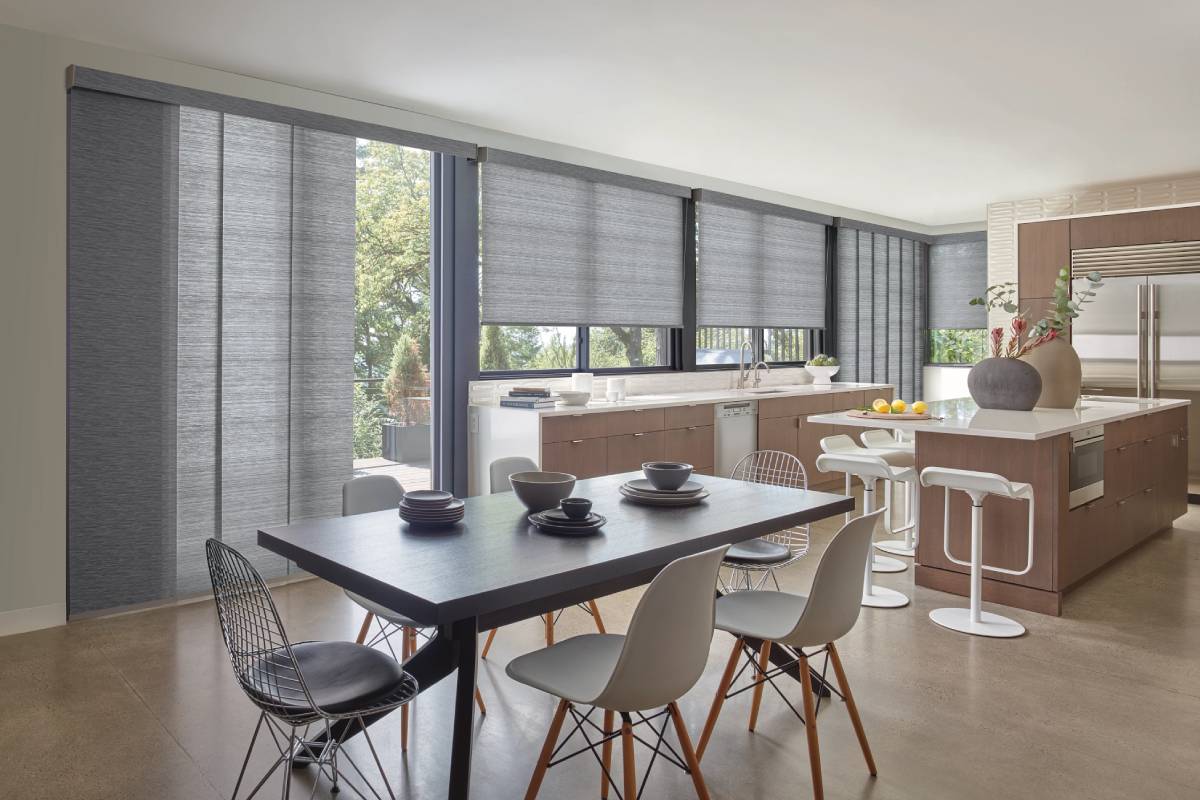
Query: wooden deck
x=411, y=476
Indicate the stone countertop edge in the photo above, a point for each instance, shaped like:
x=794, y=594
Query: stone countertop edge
x=666, y=400
x=963, y=418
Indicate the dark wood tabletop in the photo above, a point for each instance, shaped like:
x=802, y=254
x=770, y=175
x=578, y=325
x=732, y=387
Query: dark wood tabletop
x=496, y=566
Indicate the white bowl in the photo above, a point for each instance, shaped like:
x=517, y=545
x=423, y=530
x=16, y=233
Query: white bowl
x=572, y=398
x=540, y=491
x=822, y=375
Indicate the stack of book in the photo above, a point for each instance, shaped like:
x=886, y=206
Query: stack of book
x=527, y=397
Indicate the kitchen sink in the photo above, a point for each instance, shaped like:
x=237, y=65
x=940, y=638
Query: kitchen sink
x=763, y=391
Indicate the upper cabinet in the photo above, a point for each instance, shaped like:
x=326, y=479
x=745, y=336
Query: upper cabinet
x=1180, y=224
x=1043, y=248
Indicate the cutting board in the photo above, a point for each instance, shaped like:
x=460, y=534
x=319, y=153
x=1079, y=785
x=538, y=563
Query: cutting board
x=907, y=415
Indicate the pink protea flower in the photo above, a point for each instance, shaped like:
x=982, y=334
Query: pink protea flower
x=997, y=340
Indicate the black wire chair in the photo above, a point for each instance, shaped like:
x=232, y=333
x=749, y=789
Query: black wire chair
x=332, y=685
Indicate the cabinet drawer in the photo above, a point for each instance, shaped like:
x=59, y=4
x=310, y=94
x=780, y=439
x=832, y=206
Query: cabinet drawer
x=688, y=416
x=583, y=458
x=779, y=433
x=638, y=420
x=575, y=426
x=848, y=400
x=1125, y=431
x=628, y=452
x=795, y=406
x=1119, y=471
x=692, y=445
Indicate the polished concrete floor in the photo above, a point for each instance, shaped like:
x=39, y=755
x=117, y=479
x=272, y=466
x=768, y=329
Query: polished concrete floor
x=1102, y=703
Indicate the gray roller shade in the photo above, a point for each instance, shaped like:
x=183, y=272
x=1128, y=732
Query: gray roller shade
x=881, y=306
x=758, y=265
x=211, y=313
x=563, y=248
x=957, y=273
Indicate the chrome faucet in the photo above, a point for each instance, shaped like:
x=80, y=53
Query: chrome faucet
x=758, y=364
x=742, y=370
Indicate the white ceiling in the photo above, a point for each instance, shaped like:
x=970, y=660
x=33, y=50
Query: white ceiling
x=923, y=110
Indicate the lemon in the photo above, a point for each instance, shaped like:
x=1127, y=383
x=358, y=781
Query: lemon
x=919, y=407
x=881, y=406
x=899, y=406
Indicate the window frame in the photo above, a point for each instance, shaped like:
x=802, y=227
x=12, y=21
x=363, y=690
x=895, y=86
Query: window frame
x=929, y=362
x=582, y=356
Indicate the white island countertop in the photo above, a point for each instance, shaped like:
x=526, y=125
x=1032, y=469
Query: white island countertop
x=964, y=418
x=692, y=398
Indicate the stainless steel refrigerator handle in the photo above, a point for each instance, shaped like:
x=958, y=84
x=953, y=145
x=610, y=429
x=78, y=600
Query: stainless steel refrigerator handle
x=1139, y=377
x=1153, y=342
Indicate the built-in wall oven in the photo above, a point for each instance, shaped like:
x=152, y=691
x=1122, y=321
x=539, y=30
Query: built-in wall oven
x=1087, y=465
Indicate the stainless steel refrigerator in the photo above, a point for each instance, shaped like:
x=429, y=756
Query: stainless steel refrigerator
x=1140, y=337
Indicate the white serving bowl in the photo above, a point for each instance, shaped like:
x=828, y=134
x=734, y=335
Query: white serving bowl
x=822, y=375
x=572, y=398
x=541, y=491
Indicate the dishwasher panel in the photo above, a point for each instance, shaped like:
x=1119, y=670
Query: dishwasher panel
x=736, y=434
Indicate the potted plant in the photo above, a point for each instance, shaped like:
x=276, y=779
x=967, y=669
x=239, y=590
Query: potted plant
x=406, y=434
x=822, y=368
x=1052, y=356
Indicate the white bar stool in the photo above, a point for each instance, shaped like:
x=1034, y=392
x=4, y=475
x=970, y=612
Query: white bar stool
x=978, y=485
x=868, y=469
x=881, y=440
x=841, y=444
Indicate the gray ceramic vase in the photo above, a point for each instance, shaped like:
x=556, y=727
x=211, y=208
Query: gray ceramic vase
x=1004, y=383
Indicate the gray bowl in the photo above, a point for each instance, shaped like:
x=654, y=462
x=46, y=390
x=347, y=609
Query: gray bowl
x=541, y=491
x=667, y=475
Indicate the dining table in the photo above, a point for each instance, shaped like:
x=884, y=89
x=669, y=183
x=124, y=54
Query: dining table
x=494, y=567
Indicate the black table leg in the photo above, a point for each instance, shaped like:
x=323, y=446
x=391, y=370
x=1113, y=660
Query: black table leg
x=465, y=637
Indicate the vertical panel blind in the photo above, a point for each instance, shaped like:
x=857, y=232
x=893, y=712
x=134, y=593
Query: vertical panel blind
x=211, y=312
x=957, y=273
x=881, y=284
x=758, y=265
x=563, y=245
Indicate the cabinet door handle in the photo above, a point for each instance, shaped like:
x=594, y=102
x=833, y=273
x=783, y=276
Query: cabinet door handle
x=577, y=441
x=1148, y=490
x=691, y=427
x=639, y=434
x=1123, y=502
x=1122, y=448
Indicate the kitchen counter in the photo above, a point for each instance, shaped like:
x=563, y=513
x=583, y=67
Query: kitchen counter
x=965, y=418
x=691, y=398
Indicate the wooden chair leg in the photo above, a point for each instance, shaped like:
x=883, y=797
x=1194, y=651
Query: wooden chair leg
x=479, y=701
x=852, y=707
x=550, y=629
x=764, y=656
x=628, y=763
x=405, y=654
x=689, y=755
x=595, y=609
x=606, y=754
x=487, y=645
x=366, y=627
x=543, y=763
x=810, y=729
x=719, y=700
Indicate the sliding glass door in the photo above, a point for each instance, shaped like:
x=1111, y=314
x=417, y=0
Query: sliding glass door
x=392, y=314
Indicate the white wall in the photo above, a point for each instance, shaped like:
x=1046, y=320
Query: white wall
x=945, y=383
x=33, y=282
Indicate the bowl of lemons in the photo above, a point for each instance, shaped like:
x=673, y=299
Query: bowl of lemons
x=919, y=408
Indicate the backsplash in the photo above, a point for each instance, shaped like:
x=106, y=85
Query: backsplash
x=486, y=392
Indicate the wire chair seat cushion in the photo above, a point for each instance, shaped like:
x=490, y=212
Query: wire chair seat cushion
x=343, y=678
x=758, y=551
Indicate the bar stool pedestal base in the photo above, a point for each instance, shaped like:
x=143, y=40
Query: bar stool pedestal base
x=882, y=597
x=993, y=625
x=885, y=564
x=897, y=548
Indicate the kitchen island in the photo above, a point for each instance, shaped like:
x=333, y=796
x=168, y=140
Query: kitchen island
x=1141, y=461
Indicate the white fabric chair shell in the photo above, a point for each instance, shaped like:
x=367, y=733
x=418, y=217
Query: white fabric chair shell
x=369, y=493
x=655, y=663
x=500, y=470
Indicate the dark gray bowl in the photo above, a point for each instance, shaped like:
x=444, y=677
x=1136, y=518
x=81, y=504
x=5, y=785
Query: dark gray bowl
x=542, y=491
x=576, y=507
x=667, y=475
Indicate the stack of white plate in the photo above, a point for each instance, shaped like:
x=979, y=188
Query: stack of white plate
x=643, y=492
x=430, y=508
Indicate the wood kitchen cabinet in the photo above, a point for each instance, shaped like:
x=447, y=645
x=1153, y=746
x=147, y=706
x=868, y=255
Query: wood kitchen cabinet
x=629, y=451
x=583, y=458
x=1134, y=228
x=1043, y=248
x=692, y=445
